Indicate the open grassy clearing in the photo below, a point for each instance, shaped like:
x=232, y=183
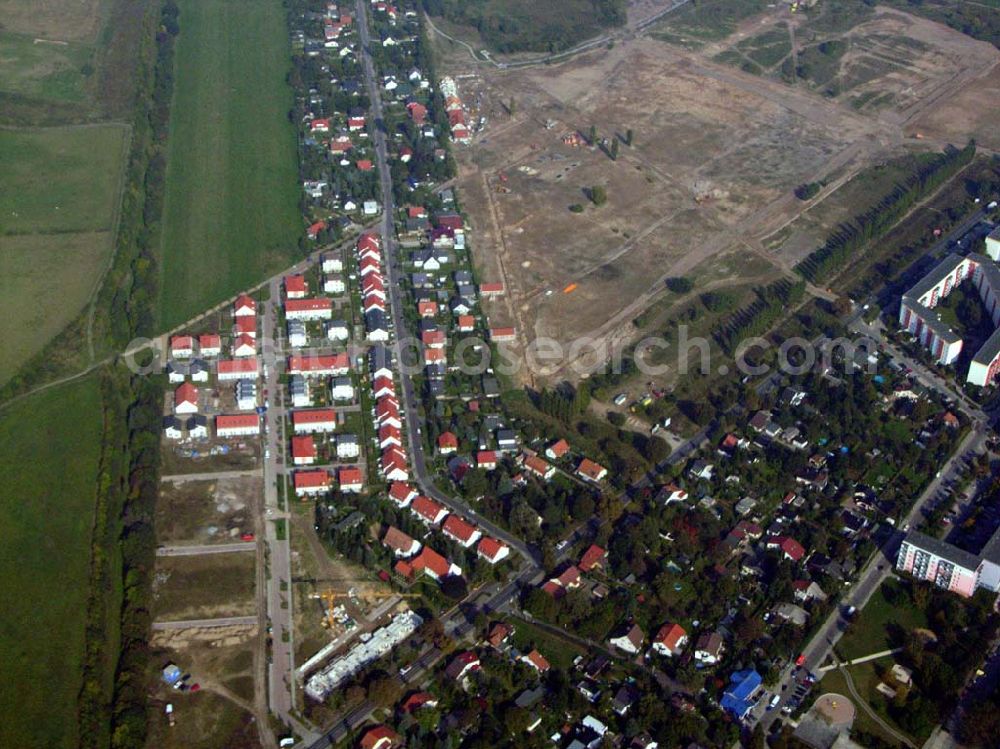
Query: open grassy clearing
x=834, y=681
x=49, y=447
x=205, y=512
x=231, y=208
x=60, y=180
x=203, y=587
x=56, y=20
x=204, y=721
x=37, y=69
x=559, y=652
x=876, y=59
x=871, y=632
x=709, y=20
x=56, y=220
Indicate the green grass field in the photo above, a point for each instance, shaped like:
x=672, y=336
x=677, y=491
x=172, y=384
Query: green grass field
x=49, y=448
x=869, y=633
x=60, y=72
x=56, y=219
x=231, y=213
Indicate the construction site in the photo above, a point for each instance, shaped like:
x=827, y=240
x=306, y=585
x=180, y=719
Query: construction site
x=597, y=178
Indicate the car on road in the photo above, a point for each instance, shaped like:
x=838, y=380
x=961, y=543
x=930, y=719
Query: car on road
x=801, y=659
x=774, y=702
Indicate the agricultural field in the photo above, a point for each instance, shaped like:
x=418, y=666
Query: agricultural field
x=231, y=203
x=204, y=587
x=206, y=512
x=49, y=451
x=58, y=215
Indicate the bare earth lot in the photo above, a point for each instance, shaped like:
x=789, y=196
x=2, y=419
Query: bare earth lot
x=717, y=151
x=206, y=512
x=204, y=587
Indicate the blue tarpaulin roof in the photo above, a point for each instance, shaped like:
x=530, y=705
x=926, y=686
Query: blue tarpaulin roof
x=742, y=684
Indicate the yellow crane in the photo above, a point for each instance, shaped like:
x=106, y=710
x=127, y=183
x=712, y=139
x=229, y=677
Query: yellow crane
x=330, y=596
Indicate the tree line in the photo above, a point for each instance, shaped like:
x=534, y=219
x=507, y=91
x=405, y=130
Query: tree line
x=123, y=546
x=874, y=223
x=772, y=302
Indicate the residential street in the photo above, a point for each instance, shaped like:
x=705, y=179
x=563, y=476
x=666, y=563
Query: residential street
x=409, y=401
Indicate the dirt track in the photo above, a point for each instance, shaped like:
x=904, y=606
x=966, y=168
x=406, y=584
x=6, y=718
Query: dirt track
x=716, y=153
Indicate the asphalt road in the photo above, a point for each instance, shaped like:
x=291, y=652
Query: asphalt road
x=409, y=400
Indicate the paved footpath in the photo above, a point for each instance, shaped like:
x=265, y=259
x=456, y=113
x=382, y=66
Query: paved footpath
x=180, y=478
x=225, y=621
x=190, y=551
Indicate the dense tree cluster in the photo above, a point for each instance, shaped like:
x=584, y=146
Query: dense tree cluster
x=513, y=27
x=874, y=223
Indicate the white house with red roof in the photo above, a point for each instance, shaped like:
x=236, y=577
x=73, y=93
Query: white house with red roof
x=466, y=323
x=428, y=511
x=319, y=308
x=462, y=665
x=492, y=550
x=537, y=661
x=591, y=471
x=311, y=483
x=382, y=387
x=486, y=460
x=210, y=344
x=314, y=420
x=324, y=365
x=351, y=479
x=670, y=639
x=244, y=306
x=491, y=289
x=557, y=449
x=182, y=346
x=186, y=399
x=230, y=370
x=538, y=467
x=303, y=450
x=387, y=412
x=319, y=126
x=461, y=531
x=394, y=464
x=244, y=346
x=402, y=493
x=296, y=287
x=237, y=425
x=389, y=436
x=430, y=563
x=447, y=443
x=502, y=334
x=246, y=325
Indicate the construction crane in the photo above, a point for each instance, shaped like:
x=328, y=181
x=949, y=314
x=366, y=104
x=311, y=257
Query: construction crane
x=330, y=596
